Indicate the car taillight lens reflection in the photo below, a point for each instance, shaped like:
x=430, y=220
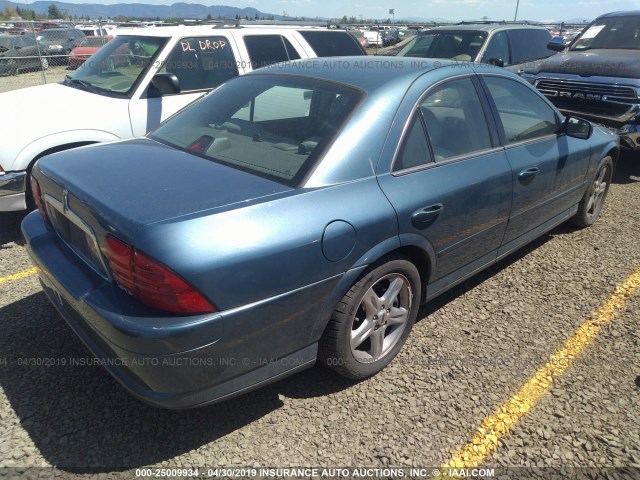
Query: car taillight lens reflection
x=37, y=198
x=152, y=283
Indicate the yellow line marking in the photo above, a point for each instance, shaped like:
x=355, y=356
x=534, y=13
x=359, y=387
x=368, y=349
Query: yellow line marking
x=486, y=439
x=19, y=275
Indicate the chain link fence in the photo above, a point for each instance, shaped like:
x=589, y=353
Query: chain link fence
x=35, y=58
x=38, y=75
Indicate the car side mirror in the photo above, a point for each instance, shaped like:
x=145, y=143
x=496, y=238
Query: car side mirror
x=498, y=62
x=164, y=84
x=556, y=44
x=577, y=127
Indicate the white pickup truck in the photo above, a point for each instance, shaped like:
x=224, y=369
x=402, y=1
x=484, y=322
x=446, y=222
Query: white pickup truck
x=136, y=81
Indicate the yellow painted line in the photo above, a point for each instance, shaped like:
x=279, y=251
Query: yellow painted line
x=486, y=439
x=17, y=276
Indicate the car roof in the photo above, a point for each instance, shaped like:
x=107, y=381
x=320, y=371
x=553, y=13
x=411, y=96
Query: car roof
x=627, y=13
x=57, y=29
x=182, y=30
x=368, y=73
x=482, y=27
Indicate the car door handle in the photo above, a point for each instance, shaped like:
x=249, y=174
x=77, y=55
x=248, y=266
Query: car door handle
x=527, y=175
x=426, y=214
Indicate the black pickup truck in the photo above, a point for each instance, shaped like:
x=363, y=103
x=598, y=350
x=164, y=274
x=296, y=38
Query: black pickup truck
x=597, y=76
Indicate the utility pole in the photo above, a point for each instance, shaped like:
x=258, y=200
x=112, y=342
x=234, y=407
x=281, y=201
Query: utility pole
x=515, y=17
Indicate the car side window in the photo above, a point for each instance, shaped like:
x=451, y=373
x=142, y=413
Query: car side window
x=497, y=49
x=17, y=42
x=529, y=44
x=266, y=50
x=455, y=119
x=523, y=114
x=331, y=44
x=201, y=63
x=414, y=151
x=29, y=42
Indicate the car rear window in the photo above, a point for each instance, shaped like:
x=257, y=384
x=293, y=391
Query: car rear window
x=331, y=44
x=271, y=126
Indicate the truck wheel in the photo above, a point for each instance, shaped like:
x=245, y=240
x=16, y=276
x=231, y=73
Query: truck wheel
x=371, y=323
x=592, y=202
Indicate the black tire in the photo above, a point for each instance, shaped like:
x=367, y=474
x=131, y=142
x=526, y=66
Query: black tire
x=384, y=328
x=592, y=202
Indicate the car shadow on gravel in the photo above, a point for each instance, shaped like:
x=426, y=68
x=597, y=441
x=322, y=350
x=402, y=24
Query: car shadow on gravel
x=627, y=168
x=10, y=228
x=469, y=284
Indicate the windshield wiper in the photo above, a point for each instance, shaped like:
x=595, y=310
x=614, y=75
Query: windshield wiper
x=74, y=81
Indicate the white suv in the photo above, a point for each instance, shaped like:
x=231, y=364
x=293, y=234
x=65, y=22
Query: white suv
x=136, y=81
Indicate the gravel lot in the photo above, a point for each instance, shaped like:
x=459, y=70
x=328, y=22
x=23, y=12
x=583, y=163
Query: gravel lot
x=28, y=79
x=471, y=351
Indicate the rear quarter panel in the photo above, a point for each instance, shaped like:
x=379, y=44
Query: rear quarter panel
x=242, y=255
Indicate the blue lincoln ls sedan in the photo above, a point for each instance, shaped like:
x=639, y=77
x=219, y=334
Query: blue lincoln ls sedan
x=302, y=212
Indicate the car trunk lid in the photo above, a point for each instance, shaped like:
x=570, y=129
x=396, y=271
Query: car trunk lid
x=122, y=187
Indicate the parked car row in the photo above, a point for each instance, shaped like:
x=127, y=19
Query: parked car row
x=19, y=53
x=51, y=46
x=57, y=43
x=86, y=49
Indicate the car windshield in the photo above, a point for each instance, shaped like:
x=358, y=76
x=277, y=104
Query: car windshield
x=93, y=42
x=115, y=68
x=458, y=45
x=610, y=33
x=272, y=126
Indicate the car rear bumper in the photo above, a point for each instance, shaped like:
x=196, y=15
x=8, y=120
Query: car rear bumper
x=168, y=361
x=13, y=186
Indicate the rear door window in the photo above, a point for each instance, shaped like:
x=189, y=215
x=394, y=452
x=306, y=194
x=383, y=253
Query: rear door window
x=201, y=63
x=265, y=50
x=455, y=120
x=331, y=44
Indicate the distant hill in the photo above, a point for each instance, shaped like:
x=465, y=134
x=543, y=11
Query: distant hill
x=139, y=10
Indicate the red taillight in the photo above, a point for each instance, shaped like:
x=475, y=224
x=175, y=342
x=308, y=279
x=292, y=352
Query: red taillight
x=152, y=283
x=37, y=198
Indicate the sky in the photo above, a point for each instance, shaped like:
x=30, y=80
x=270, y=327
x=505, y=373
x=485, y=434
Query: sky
x=539, y=10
